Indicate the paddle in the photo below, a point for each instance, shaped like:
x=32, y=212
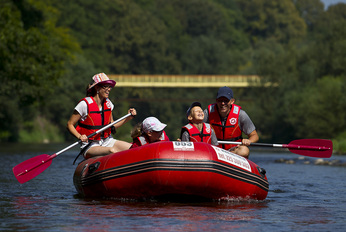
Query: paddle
x=30, y=168
x=321, y=148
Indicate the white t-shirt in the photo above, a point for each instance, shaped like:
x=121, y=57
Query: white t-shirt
x=82, y=109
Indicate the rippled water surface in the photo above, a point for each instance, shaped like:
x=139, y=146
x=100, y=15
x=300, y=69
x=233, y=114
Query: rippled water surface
x=302, y=197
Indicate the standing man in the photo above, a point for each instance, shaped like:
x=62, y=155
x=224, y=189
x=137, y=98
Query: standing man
x=229, y=121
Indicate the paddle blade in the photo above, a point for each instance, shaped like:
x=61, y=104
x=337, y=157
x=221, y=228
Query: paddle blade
x=319, y=148
x=30, y=168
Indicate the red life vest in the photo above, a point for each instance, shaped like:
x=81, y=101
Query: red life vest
x=228, y=132
x=142, y=140
x=196, y=135
x=96, y=119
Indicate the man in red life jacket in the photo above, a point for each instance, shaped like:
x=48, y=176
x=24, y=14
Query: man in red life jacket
x=196, y=130
x=229, y=122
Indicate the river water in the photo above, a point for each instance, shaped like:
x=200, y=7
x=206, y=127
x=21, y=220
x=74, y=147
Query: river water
x=302, y=197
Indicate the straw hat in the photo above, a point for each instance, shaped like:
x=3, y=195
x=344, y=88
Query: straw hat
x=101, y=78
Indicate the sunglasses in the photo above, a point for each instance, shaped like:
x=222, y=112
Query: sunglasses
x=107, y=87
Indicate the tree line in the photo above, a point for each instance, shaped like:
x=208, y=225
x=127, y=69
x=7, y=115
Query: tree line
x=49, y=50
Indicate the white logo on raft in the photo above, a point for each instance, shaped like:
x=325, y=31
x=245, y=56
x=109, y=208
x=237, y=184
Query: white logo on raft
x=183, y=146
x=232, y=158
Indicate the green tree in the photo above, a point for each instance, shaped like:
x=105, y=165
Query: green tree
x=318, y=110
x=88, y=22
x=277, y=65
x=119, y=36
x=278, y=20
x=32, y=56
x=328, y=45
x=207, y=56
x=138, y=44
x=209, y=36
x=310, y=11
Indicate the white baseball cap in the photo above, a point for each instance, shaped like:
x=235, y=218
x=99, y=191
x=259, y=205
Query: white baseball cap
x=152, y=124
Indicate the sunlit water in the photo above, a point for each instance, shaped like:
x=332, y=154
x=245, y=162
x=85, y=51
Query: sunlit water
x=302, y=197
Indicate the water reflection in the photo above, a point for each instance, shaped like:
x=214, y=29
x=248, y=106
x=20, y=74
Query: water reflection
x=309, y=215
x=302, y=198
x=29, y=207
x=110, y=215
x=166, y=216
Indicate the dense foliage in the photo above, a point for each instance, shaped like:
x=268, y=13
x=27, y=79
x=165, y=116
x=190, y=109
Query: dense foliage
x=50, y=49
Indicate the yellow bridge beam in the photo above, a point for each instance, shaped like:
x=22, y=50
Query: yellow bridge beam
x=185, y=81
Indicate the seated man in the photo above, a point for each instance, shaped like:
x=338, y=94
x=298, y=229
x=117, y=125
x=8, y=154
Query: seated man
x=230, y=122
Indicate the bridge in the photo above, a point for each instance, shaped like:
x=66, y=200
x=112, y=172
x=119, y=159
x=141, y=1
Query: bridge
x=186, y=81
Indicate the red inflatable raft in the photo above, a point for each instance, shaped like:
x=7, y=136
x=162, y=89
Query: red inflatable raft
x=171, y=168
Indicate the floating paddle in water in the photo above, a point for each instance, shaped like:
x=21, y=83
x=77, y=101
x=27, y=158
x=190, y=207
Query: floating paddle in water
x=320, y=148
x=31, y=168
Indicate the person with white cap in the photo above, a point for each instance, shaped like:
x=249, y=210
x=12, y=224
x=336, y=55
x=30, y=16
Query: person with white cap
x=196, y=130
x=229, y=122
x=94, y=112
x=151, y=130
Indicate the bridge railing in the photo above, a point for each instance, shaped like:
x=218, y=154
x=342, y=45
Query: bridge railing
x=185, y=81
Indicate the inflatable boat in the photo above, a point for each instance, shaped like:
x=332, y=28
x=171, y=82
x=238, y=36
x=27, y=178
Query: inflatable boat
x=171, y=169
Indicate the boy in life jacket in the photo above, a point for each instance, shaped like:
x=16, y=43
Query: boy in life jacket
x=149, y=131
x=196, y=130
x=230, y=122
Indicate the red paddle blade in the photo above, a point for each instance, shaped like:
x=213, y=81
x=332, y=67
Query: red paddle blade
x=30, y=168
x=320, y=148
